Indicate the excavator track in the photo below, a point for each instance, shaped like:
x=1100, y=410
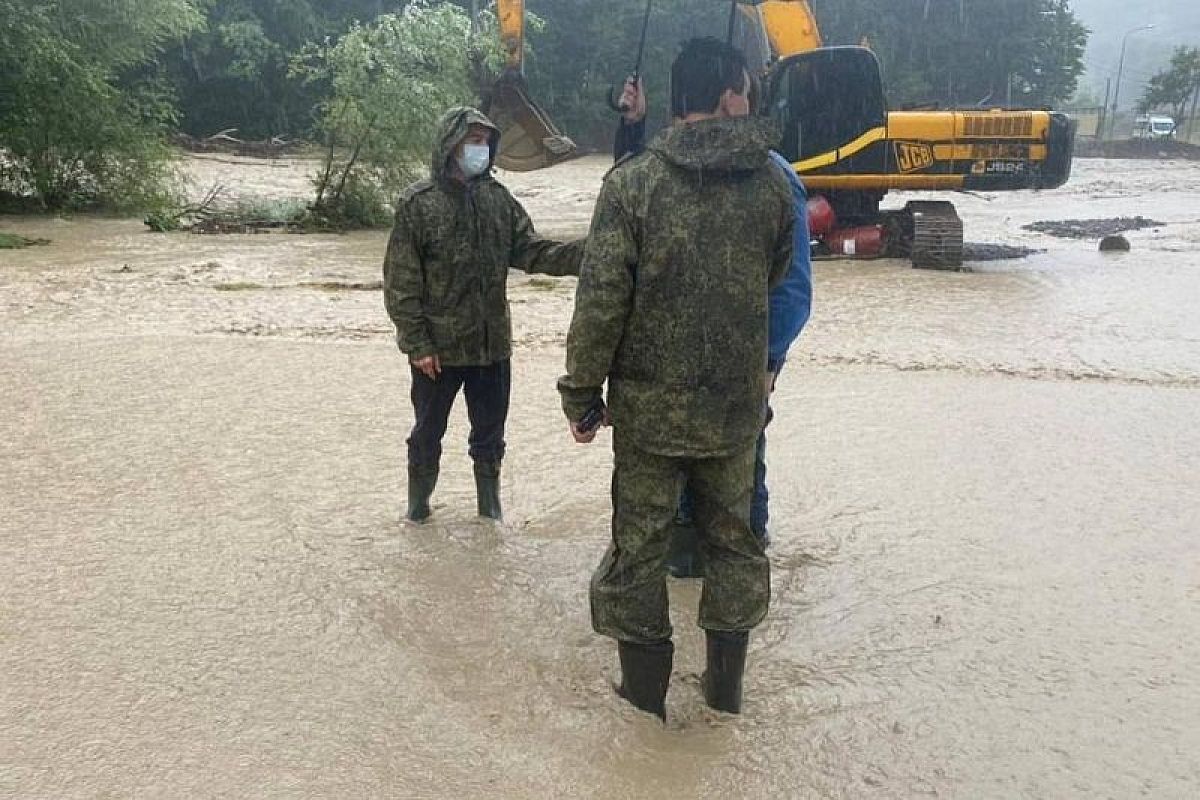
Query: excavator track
x=937, y=235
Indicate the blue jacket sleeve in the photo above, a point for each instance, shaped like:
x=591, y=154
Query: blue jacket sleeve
x=791, y=301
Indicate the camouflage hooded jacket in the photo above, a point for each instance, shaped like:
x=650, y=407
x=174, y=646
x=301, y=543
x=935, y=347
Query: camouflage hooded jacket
x=446, y=271
x=686, y=242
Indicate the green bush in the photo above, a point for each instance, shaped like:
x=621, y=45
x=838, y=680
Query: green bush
x=82, y=116
x=388, y=84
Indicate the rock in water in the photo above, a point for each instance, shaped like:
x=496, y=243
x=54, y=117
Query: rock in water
x=1113, y=244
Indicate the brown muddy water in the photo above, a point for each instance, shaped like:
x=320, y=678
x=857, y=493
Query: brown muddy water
x=985, y=522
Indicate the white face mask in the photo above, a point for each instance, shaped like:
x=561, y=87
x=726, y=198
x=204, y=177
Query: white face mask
x=475, y=159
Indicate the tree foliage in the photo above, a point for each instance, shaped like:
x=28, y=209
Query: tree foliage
x=1176, y=85
x=235, y=72
x=388, y=82
x=965, y=52
x=88, y=87
x=82, y=116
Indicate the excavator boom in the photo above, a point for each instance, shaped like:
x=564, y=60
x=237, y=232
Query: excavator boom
x=790, y=25
x=512, y=32
x=529, y=139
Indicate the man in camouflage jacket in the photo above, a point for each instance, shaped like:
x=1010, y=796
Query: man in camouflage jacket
x=687, y=239
x=445, y=288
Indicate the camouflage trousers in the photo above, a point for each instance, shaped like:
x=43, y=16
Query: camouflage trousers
x=629, y=588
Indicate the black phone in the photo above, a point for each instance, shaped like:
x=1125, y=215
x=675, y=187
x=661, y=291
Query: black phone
x=591, y=419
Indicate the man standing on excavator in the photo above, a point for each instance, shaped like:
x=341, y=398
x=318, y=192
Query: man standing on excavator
x=791, y=304
x=686, y=241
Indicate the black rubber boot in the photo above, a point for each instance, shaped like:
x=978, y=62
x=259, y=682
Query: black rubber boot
x=645, y=673
x=684, y=559
x=487, y=488
x=722, y=679
x=421, y=482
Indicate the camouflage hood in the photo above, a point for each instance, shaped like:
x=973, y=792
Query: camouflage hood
x=452, y=127
x=739, y=144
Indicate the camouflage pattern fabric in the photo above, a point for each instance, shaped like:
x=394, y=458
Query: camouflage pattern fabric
x=446, y=270
x=629, y=590
x=686, y=241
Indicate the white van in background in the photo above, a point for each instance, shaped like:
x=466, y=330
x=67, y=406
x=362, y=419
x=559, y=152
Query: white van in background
x=1153, y=127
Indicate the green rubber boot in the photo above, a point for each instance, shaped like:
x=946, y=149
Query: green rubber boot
x=487, y=488
x=421, y=482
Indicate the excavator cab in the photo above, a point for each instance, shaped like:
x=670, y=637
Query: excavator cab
x=825, y=102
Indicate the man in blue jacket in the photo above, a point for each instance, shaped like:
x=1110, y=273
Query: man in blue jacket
x=791, y=304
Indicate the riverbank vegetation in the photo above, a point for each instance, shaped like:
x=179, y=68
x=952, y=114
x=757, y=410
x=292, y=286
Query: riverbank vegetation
x=93, y=92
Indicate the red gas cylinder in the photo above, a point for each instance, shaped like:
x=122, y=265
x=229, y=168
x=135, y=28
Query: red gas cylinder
x=821, y=218
x=862, y=242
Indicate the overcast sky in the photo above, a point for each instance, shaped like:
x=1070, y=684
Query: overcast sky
x=1176, y=22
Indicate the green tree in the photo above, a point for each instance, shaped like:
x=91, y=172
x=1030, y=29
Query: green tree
x=82, y=114
x=235, y=72
x=1176, y=85
x=389, y=81
x=964, y=52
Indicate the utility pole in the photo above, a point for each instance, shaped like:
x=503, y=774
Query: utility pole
x=1120, y=69
x=1100, y=128
x=1192, y=117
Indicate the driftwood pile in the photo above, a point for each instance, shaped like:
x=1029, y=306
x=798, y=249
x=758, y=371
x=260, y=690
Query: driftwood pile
x=212, y=215
x=225, y=142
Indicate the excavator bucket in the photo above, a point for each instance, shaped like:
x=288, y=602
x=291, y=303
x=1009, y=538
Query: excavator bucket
x=529, y=140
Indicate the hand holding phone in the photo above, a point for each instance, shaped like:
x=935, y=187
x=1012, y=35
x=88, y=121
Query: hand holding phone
x=584, y=429
x=591, y=420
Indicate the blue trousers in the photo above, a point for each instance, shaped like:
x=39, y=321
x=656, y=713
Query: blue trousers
x=759, y=515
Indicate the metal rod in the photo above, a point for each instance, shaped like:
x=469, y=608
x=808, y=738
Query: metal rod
x=637, y=67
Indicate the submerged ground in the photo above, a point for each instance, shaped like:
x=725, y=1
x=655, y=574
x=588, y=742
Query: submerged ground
x=985, y=522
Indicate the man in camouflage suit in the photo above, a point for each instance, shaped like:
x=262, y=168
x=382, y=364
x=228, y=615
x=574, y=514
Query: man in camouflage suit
x=686, y=241
x=445, y=287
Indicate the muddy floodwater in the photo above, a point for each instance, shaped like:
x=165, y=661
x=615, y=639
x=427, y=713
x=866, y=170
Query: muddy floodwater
x=985, y=516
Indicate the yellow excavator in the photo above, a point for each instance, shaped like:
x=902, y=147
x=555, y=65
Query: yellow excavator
x=842, y=140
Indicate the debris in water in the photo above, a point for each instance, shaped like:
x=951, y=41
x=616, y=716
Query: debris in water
x=979, y=251
x=11, y=241
x=1091, y=228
